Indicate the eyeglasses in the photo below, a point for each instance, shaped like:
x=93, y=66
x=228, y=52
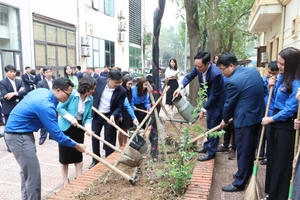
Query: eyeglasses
x=68, y=94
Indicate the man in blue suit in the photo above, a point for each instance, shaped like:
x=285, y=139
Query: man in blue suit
x=245, y=104
x=208, y=73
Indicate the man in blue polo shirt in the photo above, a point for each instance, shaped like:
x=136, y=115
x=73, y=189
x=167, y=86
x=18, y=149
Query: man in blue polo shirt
x=35, y=111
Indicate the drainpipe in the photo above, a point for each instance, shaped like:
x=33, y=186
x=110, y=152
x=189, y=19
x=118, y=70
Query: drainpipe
x=280, y=47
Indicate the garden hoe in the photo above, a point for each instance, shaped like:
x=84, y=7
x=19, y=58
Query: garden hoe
x=251, y=192
x=133, y=159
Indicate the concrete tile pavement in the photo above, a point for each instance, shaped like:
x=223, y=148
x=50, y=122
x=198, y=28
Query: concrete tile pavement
x=10, y=184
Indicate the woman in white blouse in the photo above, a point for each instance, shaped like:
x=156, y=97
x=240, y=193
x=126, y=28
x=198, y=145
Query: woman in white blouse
x=171, y=74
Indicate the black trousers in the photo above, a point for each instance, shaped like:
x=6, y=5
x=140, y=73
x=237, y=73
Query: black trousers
x=245, y=139
x=279, y=163
x=229, y=132
x=110, y=134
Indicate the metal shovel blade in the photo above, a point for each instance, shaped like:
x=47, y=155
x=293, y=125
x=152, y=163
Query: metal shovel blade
x=131, y=158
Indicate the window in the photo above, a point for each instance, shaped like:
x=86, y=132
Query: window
x=54, y=46
x=294, y=32
x=135, y=59
x=109, y=7
x=101, y=52
x=109, y=53
x=10, y=28
x=96, y=4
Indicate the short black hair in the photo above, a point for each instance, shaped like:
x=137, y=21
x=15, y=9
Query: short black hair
x=9, y=68
x=124, y=73
x=46, y=69
x=115, y=75
x=78, y=67
x=226, y=59
x=273, y=66
x=62, y=83
x=150, y=79
x=204, y=56
x=27, y=67
x=18, y=73
x=85, y=84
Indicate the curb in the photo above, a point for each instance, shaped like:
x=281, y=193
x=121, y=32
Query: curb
x=201, y=181
x=85, y=180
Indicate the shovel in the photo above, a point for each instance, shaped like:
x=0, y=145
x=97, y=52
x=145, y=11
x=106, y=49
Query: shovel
x=131, y=158
x=127, y=177
x=208, y=132
x=137, y=143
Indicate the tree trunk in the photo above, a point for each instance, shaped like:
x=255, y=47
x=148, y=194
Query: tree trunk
x=191, y=9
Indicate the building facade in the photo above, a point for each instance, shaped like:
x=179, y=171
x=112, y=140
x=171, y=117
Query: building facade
x=277, y=24
x=89, y=33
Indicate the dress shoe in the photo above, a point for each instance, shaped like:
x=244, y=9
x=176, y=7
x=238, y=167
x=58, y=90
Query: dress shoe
x=93, y=164
x=263, y=162
x=231, y=188
x=1, y=135
x=206, y=157
x=221, y=148
x=200, y=151
x=231, y=154
x=42, y=140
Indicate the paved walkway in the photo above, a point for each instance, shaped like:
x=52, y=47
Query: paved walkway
x=10, y=187
x=223, y=172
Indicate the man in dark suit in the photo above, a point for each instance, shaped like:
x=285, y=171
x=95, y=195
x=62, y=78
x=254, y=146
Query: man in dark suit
x=245, y=104
x=12, y=91
x=105, y=71
x=208, y=73
x=91, y=71
x=28, y=79
x=40, y=76
x=108, y=99
x=78, y=73
x=47, y=83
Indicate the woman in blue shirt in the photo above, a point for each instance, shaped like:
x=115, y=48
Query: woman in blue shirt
x=127, y=116
x=140, y=98
x=77, y=110
x=282, y=137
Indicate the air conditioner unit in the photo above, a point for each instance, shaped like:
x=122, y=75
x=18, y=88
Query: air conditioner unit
x=85, y=51
x=121, y=36
x=264, y=57
x=122, y=26
x=121, y=14
x=85, y=41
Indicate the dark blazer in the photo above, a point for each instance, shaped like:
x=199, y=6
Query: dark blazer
x=216, y=90
x=6, y=87
x=117, y=98
x=28, y=81
x=38, y=78
x=79, y=75
x=43, y=84
x=245, y=97
x=95, y=75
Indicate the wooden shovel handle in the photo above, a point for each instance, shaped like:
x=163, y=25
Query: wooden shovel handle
x=207, y=132
x=113, y=124
x=99, y=138
x=141, y=110
x=127, y=177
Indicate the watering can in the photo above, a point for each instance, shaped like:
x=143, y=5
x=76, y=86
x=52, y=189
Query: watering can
x=185, y=108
